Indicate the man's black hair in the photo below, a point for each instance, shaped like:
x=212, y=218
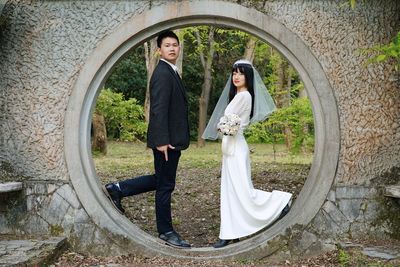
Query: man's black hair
x=165, y=34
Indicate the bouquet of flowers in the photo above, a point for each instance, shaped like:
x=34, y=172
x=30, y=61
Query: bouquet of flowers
x=229, y=124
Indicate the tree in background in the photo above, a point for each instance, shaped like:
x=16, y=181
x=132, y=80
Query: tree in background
x=99, y=133
x=205, y=72
x=179, y=62
x=124, y=119
x=129, y=75
x=206, y=48
x=152, y=57
x=249, y=52
x=280, y=82
x=292, y=123
x=228, y=47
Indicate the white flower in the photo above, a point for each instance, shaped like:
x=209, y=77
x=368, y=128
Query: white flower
x=229, y=124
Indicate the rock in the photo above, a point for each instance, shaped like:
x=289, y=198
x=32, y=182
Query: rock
x=10, y=187
x=69, y=195
x=19, y=252
x=382, y=253
x=392, y=191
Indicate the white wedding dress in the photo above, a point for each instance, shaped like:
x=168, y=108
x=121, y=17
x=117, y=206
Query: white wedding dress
x=244, y=210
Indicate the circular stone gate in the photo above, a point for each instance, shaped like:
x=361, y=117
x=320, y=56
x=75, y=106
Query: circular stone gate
x=176, y=15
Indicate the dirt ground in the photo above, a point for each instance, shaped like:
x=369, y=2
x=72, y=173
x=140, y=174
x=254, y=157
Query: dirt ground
x=70, y=259
x=195, y=202
x=337, y=258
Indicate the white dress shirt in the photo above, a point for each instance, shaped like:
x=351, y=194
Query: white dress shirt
x=175, y=68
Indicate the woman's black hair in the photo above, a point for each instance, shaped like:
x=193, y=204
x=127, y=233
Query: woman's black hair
x=247, y=69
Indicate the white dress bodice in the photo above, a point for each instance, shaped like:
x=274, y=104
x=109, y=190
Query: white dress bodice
x=241, y=106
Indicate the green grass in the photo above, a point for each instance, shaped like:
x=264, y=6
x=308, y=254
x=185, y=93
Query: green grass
x=354, y=257
x=123, y=157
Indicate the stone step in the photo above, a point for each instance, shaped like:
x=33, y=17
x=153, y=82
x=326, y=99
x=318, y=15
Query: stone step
x=10, y=187
x=388, y=252
x=392, y=191
x=30, y=252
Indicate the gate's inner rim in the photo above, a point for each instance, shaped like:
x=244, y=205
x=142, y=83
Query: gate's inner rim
x=114, y=46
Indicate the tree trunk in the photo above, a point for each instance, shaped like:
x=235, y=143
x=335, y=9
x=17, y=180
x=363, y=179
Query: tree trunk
x=303, y=94
x=151, y=56
x=283, y=94
x=250, y=49
x=99, y=140
x=206, y=88
x=288, y=130
x=179, y=61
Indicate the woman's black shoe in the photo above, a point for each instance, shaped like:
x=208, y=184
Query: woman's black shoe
x=224, y=242
x=284, y=211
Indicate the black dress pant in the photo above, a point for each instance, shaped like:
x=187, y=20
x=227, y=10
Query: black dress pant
x=162, y=181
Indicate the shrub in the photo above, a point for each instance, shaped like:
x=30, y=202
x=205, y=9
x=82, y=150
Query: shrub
x=297, y=117
x=124, y=118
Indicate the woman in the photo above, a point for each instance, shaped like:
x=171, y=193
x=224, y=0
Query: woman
x=244, y=209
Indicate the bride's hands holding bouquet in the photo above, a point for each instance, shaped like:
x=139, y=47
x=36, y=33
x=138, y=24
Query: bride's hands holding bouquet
x=229, y=124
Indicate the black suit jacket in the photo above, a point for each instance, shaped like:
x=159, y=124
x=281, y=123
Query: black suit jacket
x=168, y=122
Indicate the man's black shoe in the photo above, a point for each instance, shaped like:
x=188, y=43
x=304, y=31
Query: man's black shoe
x=115, y=195
x=173, y=239
x=224, y=242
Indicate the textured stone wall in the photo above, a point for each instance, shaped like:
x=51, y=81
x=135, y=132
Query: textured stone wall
x=46, y=208
x=43, y=45
x=350, y=212
x=368, y=101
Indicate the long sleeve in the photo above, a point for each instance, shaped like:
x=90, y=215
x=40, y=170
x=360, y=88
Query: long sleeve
x=160, y=94
x=241, y=106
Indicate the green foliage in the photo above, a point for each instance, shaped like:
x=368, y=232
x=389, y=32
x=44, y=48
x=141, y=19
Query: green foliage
x=352, y=3
x=270, y=74
x=56, y=230
x=354, y=257
x=382, y=53
x=229, y=46
x=298, y=117
x=258, y=133
x=129, y=76
x=271, y=78
x=344, y=258
x=124, y=118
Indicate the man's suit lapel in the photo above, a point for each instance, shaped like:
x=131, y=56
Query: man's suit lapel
x=181, y=86
x=177, y=79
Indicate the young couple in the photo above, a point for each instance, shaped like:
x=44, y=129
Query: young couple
x=244, y=210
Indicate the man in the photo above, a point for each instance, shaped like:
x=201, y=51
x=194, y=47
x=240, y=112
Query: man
x=167, y=135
